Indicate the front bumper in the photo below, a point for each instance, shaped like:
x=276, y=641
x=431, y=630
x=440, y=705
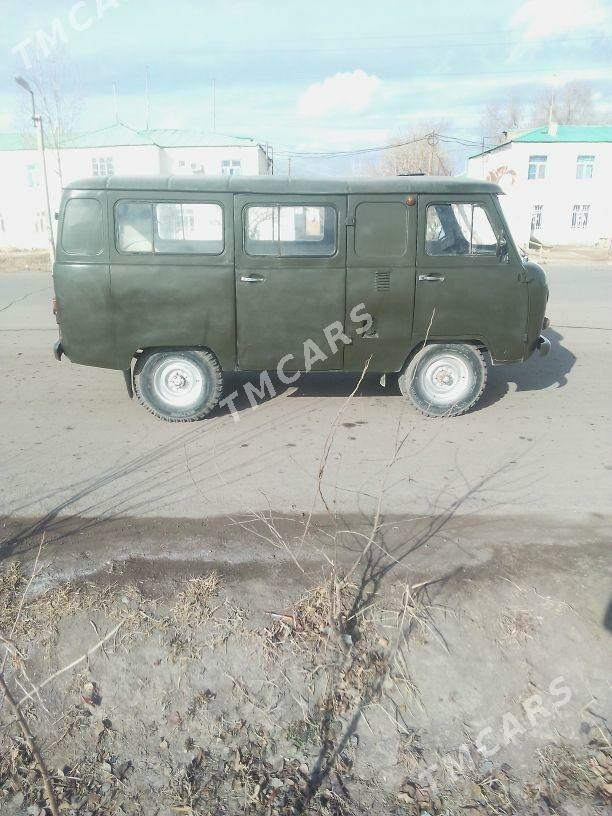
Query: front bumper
x=542, y=345
x=58, y=349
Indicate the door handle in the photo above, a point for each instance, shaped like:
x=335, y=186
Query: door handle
x=431, y=278
x=252, y=278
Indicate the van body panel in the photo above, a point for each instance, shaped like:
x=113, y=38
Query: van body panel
x=173, y=300
x=81, y=284
x=82, y=292
x=284, y=302
x=471, y=297
x=381, y=256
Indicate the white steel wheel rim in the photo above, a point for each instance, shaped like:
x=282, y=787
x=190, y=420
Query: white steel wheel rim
x=446, y=380
x=179, y=382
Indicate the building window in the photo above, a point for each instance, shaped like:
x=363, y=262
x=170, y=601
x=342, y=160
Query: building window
x=580, y=216
x=39, y=222
x=231, y=167
x=102, y=166
x=536, y=217
x=197, y=169
x=584, y=167
x=33, y=175
x=537, y=167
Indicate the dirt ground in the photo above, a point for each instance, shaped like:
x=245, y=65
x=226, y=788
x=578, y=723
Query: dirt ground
x=452, y=662
x=356, y=685
x=24, y=260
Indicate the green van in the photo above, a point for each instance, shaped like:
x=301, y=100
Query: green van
x=176, y=280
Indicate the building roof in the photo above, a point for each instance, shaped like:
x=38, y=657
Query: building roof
x=568, y=133
x=17, y=141
x=564, y=134
x=285, y=185
x=119, y=135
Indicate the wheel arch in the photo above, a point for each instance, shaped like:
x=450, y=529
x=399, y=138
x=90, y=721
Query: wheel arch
x=479, y=343
x=139, y=357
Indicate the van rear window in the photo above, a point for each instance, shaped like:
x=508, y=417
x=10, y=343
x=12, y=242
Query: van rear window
x=169, y=227
x=82, y=227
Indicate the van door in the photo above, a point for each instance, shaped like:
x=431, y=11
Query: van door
x=290, y=279
x=172, y=272
x=465, y=290
x=81, y=279
x=381, y=252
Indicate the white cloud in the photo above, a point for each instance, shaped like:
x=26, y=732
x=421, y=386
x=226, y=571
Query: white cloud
x=540, y=19
x=348, y=92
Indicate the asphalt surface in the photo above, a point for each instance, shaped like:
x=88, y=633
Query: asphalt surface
x=535, y=454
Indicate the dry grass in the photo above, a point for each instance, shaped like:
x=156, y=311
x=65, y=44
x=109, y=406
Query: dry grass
x=565, y=773
x=518, y=627
x=196, y=604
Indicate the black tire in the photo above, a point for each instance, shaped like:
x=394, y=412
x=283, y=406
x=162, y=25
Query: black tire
x=178, y=386
x=444, y=379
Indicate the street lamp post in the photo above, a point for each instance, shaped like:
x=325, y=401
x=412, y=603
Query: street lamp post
x=40, y=140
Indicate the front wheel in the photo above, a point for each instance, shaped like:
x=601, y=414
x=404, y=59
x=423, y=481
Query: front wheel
x=178, y=386
x=444, y=379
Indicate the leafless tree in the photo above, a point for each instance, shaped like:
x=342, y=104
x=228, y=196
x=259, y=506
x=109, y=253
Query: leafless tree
x=58, y=100
x=571, y=105
x=418, y=150
x=502, y=117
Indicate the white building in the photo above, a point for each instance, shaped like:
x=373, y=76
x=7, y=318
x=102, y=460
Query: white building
x=557, y=181
x=116, y=150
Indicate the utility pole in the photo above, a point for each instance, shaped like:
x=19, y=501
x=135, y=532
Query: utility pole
x=214, y=105
x=40, y=141
x=289, y=167
x=432, y=141
x=147, y=101
x=115, y=103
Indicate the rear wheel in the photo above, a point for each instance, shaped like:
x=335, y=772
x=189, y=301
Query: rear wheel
x=444, y=379
x=178, y=386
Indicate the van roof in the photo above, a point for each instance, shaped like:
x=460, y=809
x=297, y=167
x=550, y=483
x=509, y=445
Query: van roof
x=284, y=184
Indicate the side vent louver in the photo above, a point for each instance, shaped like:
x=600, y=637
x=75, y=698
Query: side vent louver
x=383, y=281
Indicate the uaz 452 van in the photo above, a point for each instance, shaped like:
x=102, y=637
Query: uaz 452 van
x=176, y=280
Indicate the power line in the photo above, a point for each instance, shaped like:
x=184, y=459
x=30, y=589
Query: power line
x=391, y=146
x=419, y=43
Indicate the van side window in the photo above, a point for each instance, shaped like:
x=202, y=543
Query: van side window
x=290, y=231
x=134, y=226
x=82, y=227
x=459, y=229
x=189, y=228
x=381, y=229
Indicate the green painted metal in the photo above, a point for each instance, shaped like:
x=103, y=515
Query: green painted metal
x=112, y=304
x=564, y=134
x=481, y=297
x=568, y=133
x=289, y=186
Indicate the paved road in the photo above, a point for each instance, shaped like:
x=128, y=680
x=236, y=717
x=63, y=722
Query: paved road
x=538, y=445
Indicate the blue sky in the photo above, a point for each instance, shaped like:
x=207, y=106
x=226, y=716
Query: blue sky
x=312, y=75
